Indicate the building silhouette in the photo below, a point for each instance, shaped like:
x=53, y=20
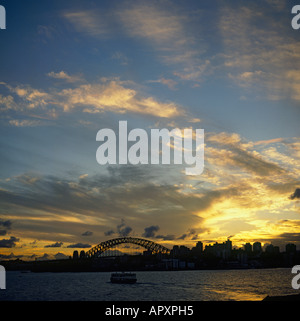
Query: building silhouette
x=75, y=255
x=248, y=248
x=290, y=248
x=220, y=250
x=257, y=247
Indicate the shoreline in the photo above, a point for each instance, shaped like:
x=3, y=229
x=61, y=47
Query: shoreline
x=288, y=297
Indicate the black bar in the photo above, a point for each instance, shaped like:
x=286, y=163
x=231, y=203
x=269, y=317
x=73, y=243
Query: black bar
x=146, y=310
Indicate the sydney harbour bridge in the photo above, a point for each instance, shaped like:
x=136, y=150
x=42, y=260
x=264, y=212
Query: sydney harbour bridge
x=104, y=247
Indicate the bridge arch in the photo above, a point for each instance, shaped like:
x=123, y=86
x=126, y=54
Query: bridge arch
x=147, y=244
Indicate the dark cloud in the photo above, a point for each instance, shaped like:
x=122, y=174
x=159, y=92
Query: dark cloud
x=191, y=233
x=108, y=196
x=79, y=246
x=57, y=194
x=87, y=233
x=57, y=244
x=110, y=232
x=289, y=237
x=60, y=256
x=182, y=237
x=7, y=226
x=9, y=243
x=150, y=231
x=118, y=176
x=296, y=194
x=242, y=158
x=100, y=193
x=254, y=163
x=123, y=230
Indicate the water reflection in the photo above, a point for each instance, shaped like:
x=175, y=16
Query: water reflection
x=235, y=295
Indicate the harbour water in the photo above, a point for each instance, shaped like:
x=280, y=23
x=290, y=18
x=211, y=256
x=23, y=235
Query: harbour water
x=212, y=285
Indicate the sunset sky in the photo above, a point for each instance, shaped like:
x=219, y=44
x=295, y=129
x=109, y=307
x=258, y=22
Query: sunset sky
x=70, y=68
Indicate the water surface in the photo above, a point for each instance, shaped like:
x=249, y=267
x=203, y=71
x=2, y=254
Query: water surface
x=221, y=285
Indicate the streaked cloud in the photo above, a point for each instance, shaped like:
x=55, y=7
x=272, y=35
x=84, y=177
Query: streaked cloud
x=110, y=96
x=168, y=29
x=270, y=141
x=25, y=123
x=114, y=97
x=164, y=26
x=64, y=76
x=263, y=59
x=88, y=22
x=170, y=83
x=251, y=192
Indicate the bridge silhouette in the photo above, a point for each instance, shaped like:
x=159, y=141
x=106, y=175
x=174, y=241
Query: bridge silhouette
x=151, y=246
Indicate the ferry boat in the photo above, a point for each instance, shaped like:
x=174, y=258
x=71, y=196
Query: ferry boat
x=123, y=277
